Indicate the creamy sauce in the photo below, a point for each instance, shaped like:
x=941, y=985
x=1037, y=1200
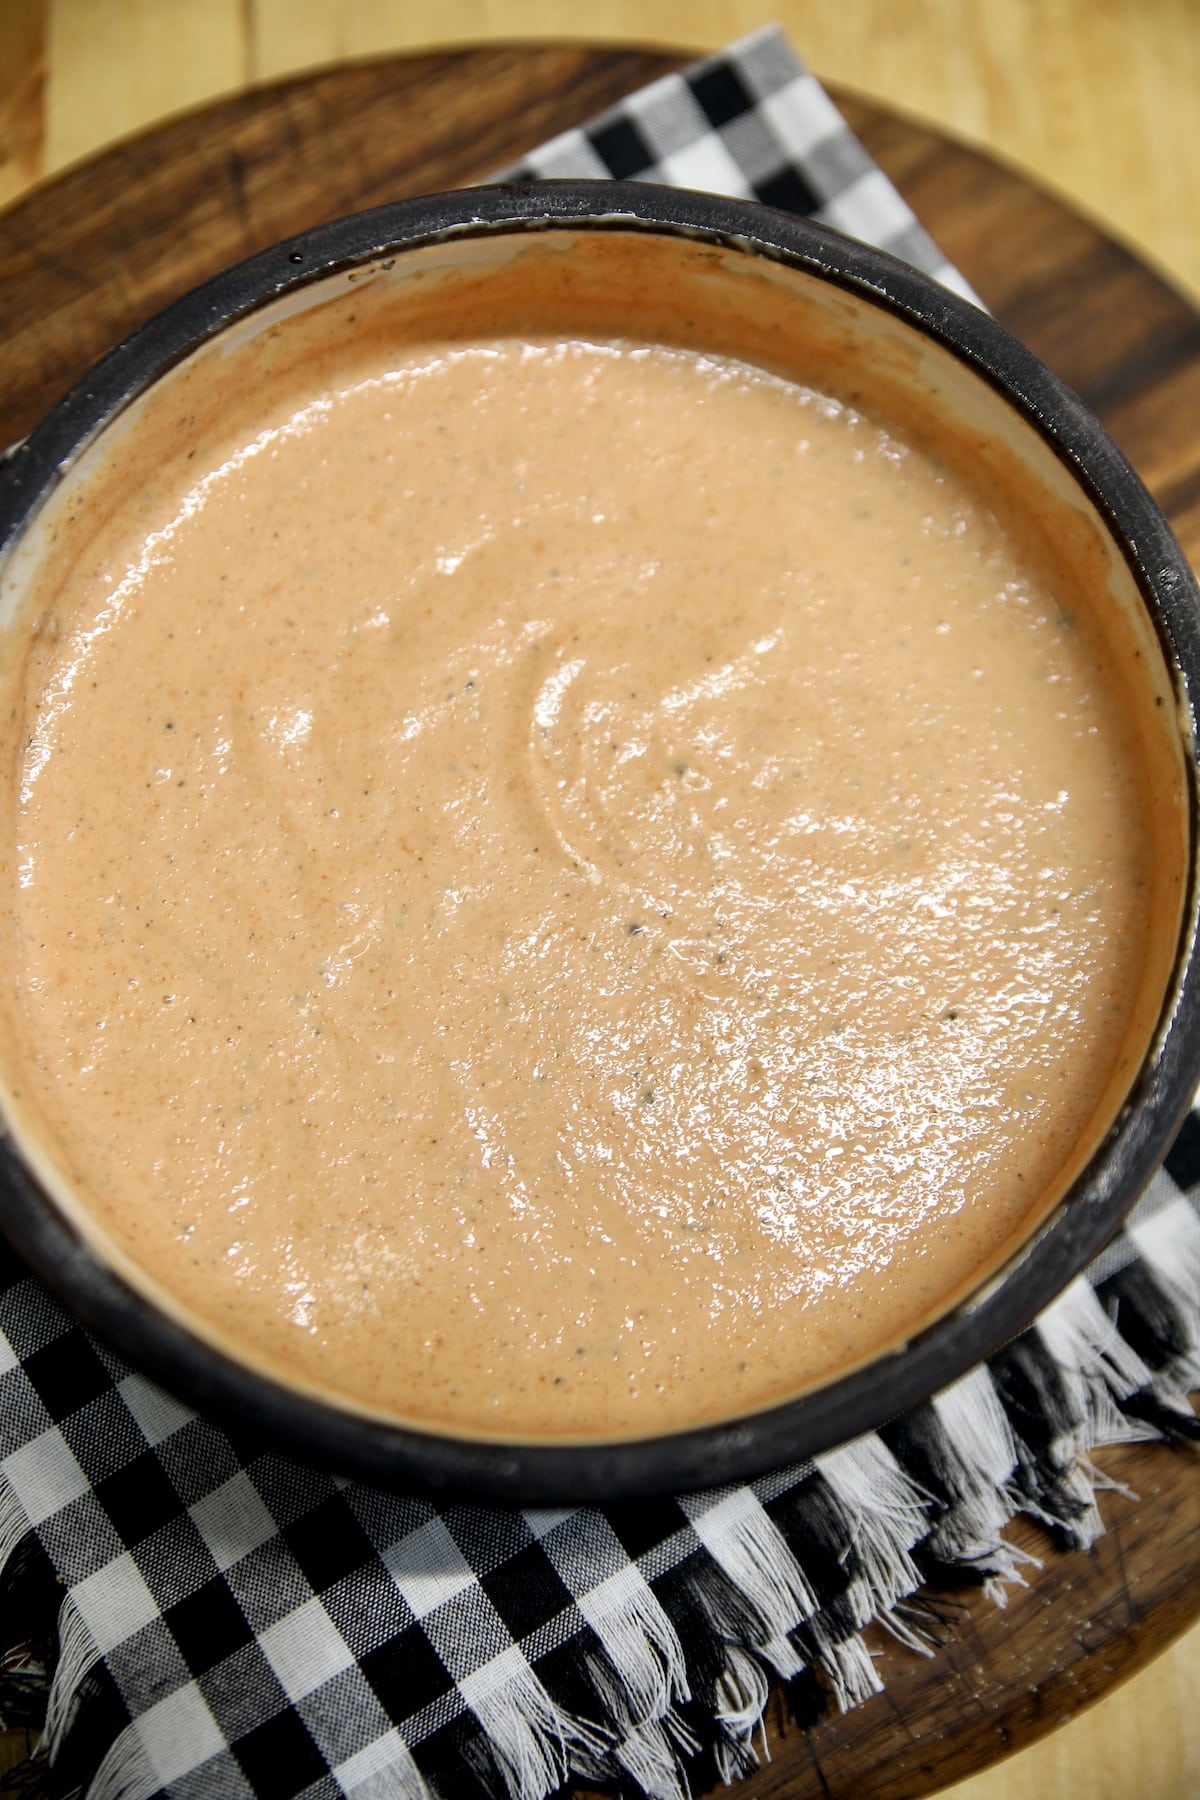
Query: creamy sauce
x=568, y=888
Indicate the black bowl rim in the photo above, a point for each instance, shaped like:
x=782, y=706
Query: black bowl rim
x=1081, y=1223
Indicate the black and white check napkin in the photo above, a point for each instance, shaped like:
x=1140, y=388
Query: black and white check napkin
x=220, y=1622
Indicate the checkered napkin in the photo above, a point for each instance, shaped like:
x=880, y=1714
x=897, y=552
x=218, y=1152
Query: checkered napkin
x=218, y=1621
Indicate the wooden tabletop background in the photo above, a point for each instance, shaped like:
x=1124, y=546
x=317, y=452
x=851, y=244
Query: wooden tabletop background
x=1096, y=99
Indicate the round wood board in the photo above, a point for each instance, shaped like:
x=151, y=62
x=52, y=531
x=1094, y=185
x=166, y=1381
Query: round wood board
x=86, y=257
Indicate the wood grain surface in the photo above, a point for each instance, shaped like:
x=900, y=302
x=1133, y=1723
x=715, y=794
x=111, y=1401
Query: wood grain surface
x=86, y=257
x=1099, y=97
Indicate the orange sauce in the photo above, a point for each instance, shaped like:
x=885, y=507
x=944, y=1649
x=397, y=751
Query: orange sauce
x=566, y=886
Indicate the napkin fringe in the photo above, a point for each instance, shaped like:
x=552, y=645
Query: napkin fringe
x=885, y=1510
x=125, y=1772
x=642, y=1673
x=781, y=1588
x=743, y=1693
x=534, y=1744
x=1168, y=1242
x=784, y=1579
x=76, y=1659
x=14, y=1529
x=30, y=1601
x=766, y=1592
x=651, y=1760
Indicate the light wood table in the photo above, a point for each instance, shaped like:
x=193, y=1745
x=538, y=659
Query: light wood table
x=1098, y=101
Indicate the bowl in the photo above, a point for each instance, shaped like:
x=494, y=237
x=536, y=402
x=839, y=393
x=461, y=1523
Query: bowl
x=785, y=295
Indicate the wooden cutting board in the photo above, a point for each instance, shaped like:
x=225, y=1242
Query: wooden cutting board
x=86, y=257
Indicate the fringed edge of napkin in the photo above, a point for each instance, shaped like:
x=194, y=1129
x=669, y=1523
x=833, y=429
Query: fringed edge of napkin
x=784, y=1596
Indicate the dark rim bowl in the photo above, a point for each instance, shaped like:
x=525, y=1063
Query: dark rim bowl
x=1082, y=1220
